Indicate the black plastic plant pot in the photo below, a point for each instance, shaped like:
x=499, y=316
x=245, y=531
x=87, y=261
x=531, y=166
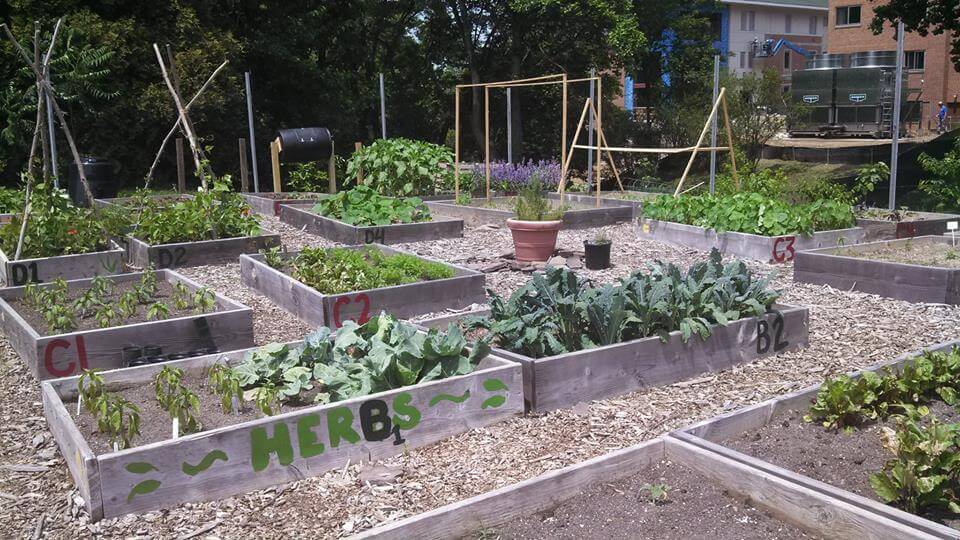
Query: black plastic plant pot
x=597, y=256
x=130, y=354
x=152, y=351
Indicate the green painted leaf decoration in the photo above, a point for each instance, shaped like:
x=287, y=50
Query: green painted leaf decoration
x=205, y=463
x=493, y=385
x=447, y=397
x=140, y=467
x=147, y=486
x=493, y=402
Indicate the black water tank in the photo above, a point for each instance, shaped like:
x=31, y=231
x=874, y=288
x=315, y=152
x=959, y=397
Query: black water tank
x=300, y=145
x=100, y=178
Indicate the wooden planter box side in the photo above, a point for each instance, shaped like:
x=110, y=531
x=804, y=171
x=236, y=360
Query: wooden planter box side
x=290, y=446
x=47, y=269
x=608, y=214
x=910, y=282
x=932, y=224
x=464, y=288
x=80, y=459
x=270, y=206
x=849, y=512
x=176, y=255
x=61, y=355
x=301, y=217
x=567, y=379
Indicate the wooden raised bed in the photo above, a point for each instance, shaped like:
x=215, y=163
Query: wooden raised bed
x=46, y=269
x=817, y=506
x=914, y=224
x=61, y=355
x=302, y=217
x=171, y=198
x=840, y=268
x=292, y=445
x=610, y=213
x=567, y=379
x=313, y=307
x=770, y=249
x=607, y=198
x=268, y=204
x=141, y=254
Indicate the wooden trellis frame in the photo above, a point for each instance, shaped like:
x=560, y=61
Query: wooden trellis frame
x=602, y=145
x=560, y=78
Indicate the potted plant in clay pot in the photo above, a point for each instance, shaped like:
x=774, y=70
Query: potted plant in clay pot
x=597, y=251
x=536, y=226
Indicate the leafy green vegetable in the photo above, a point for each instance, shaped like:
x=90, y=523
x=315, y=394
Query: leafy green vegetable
x=401, y=167
x=339, y=270
x=557, y=312
x=751, y=213
x=382, y=354
x=362, y=206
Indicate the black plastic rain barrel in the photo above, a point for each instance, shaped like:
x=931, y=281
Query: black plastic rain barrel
x=100, y=178
x=300, y=145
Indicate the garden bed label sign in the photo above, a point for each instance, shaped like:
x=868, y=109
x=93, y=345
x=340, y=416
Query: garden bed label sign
x=952, y=227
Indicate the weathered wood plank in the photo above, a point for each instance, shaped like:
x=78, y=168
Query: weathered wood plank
x=464, y=288
x=301, y=217
x=297, y=444
x=78, y=456
x=567, y=379
x=61, y=355
x=921, y=224
x=181, y=254
x=793, y=503
x=268, y=204
x=540, y=493
x=47, y=269
x=475, y=215
x=840, y=268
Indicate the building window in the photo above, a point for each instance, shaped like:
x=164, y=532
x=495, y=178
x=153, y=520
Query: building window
x=750, y=60
x=848, y=16
x=743, y=21
x=913, y=60
x=787, y=23
x=752, y=16
x=786, y=60
x=743, y=59
x=813, y=25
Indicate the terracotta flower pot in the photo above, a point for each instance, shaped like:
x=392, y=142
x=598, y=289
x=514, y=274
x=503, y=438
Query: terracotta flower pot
x=534, y=241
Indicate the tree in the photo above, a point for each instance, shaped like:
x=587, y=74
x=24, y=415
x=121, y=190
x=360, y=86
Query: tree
x=922, y=17
x=758, y=110
x=944, y=181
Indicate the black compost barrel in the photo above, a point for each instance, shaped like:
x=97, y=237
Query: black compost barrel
x=100, y=178
x=299, y=145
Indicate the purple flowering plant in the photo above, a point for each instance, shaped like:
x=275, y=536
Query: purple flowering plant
x=512, y=177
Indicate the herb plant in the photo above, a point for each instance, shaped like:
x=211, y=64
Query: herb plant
x=750, y=213
x=362, y=206
x=532, y=204
x=658, y=493
x=514, y=177
x=339, y=270
x=558, y=312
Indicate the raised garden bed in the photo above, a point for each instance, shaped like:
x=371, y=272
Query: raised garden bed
x=176, y=255
x=303, y=217
x=884, y=225
x=770, y=249
x=124, y=201
x=749, y=449
x=922, y=269
x=226, y=325
x=464, y=288
x=268, y=204
x=46, y=269
x=633, y=199
x=498, y=210
x=249, y=453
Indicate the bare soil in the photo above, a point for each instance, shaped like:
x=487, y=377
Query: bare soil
x=89, y=322
x=919, y=252
x=844, y=459
x=886, y=215
x=695, y=508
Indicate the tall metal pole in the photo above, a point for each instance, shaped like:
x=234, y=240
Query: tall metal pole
x=53, y=142
x=895, y=121
x=713, y=123
x=383, y=111
x=590, y=133
x=509, y=129
x=253, y=141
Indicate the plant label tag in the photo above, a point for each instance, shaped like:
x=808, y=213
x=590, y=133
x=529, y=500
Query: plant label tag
x=952, y=225
x=79, y=401
x=176, y=427
x=646, y=228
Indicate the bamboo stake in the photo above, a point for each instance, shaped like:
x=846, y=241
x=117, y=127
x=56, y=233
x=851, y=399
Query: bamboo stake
x=563, y=121
x=44, y=133
x=566, y=161
x=456, y=143
x=540, y=78
x=175, y=79
x=244, y=171
x=486, y=136
x=733, y=157
x=599, y=131
x=191, y=137
x=275, y=164
x=650, y=150
x=703, y=133
x=603, y=140
x=176, y=124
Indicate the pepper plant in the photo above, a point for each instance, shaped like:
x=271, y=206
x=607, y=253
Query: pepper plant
x=178, y=400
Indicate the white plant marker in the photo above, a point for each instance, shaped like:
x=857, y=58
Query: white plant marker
x=116, y=447
x=235, y=405
x=952, y=227
x=176, y=427
x=79, y=401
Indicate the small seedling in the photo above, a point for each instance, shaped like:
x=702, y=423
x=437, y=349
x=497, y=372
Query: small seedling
x=203, y=300
x=86, y=302
x=90, y=387
x=128, y=302
x=177, y=399
x=60, y=319
x=59, y=288
x=658, y=492
x=226, y=385
x=181, y=296
x=158, y=311
x=117, y=418
x=107, y=315
x=101, y=286
x=148, y=281
x=266, y=398
x=273, y=257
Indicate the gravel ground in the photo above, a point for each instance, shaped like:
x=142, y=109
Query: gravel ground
x=848, y=330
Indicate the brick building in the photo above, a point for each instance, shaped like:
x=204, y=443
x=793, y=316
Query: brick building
x=931, y=75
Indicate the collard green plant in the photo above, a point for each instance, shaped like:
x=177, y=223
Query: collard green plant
x=382, y=354
x=340, y=270
x=557, y=312
x=751, y=213
x=362, y=206
x=402, y=167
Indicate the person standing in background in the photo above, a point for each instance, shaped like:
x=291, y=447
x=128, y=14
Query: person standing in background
x=942, y=118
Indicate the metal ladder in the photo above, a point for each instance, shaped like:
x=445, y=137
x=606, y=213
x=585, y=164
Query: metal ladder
x=886, y=106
